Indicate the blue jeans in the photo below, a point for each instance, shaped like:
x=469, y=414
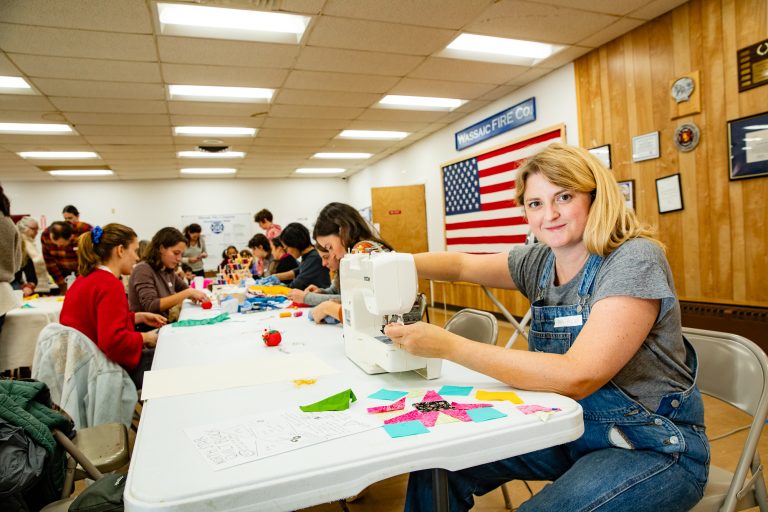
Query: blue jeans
x=611, y=479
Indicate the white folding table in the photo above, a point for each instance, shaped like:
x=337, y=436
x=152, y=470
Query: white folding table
x=21, y=328
x=168, y=474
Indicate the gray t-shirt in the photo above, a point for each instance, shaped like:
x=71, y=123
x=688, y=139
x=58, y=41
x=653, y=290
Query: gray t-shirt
x=638, y=268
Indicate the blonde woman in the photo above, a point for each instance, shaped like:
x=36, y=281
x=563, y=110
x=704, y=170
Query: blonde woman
x=605, y=331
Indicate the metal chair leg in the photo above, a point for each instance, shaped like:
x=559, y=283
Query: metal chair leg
x=507, y=500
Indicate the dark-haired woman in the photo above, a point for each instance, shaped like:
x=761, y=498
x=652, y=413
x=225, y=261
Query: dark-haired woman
x=295, y=238
x=155, y=286
x=195, y=253
x=96, y=304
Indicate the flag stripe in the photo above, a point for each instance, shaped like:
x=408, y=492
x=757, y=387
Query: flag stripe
x=554, y=134
x=498, y=169
x=505, y=185
x=469, y=217
x=520, y=229
x=498, y=205
x=504, y=221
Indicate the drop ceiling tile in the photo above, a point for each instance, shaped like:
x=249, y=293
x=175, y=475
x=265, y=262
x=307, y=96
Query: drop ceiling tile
x=616, y=7
x=194, y=120
x=312, y=80
x=611, y=32
x=499, y=92
x=232, y=76
x=520, y=19
x=302, y=6
x=24, y=102
x=314, y=112
x=325, y=98
x=94, y=89
x=220, y=52
x=129, y=140
x=369, y=146
x=76, y=43
x=303, y=143
x=564, y=56
x=415, y=116
x=452, y=14
x=147, y=131
x=353, y=61
x=396, y=125
x=109, y=106
x=30, y=116
x=655, y=8
x=87, y=69
x=529, y=76
x=355, y=34
x=311, y=124
x=42, y=141
x=7, y=67
x=440, y=88
x=215, y=108
x=89, y=118
x=120, y=16
x=471, y=106
x=437, y=68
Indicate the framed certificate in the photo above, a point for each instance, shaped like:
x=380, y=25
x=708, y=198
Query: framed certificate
x=603, y=153
x=669, y=194
x=627, y=188
x=645, y=147
x=748, y=147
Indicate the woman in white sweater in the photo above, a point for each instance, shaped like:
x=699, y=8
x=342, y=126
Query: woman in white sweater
x=10, y=257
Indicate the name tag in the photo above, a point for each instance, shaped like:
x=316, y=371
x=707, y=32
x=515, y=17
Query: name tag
x=568, y=321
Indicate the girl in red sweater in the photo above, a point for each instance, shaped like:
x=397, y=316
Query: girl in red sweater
x=96, y=304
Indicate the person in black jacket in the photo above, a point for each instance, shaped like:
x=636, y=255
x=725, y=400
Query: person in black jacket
x=295, y=237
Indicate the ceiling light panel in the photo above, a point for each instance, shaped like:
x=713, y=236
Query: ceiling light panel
x=420, y=103
x=218, y=131
x=15, y=85
x=220, y=93
x=27, y=128
x=498, y=49
x=78, y=155
x=81, y=172
x=238, y=24
x=208, y=170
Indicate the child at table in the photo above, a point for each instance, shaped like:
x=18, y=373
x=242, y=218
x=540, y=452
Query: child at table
x=96, y=304
x=295, y=238
x=281, y=260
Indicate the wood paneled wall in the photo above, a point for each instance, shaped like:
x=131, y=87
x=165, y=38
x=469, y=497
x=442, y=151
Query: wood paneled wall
x=718, y=245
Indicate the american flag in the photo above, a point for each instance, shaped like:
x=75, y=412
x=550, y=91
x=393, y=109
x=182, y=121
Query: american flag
x=481, y=215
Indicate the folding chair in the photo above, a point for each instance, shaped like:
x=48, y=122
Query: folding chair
x=479, y=326
x=734, y=370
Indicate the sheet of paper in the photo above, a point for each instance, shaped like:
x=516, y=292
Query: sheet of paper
x=199, y=379
x=228, y=444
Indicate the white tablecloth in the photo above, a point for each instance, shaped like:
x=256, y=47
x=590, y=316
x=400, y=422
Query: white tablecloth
x=22, y=325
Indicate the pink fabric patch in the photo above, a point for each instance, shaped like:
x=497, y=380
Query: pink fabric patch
x=458, y=414
x=530, y=409
x=410, y=416
x=459, y=406
x=431, y=396
x=396, y=406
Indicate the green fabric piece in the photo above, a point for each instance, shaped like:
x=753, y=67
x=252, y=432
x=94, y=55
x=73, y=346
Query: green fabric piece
x=337, y=402
x=207, y=321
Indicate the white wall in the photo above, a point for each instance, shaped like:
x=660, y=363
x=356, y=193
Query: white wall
x=147, y=206
x=420, y=163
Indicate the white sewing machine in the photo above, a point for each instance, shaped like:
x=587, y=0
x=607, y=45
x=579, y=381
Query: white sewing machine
x=377, y=289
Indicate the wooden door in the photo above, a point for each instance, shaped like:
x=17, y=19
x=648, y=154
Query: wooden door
x=401, y=213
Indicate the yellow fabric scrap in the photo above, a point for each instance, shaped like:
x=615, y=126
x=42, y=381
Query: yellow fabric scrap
x=510, y=396
x=304, y=382
x=271, y=290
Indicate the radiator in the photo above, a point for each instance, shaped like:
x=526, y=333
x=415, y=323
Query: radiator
x=750, y=322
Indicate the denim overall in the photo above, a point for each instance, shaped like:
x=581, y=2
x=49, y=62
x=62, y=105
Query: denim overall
x=629, y=458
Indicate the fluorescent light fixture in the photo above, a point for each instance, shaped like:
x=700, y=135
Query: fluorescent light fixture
x=79, y=155
x=13, y=82
x=373, y=134
x=498, y=49
x=319, y=170
x=420, y=102
x=208, y=170
x=220, y=93
x=207, y=154
x=343, y=156
x=81, y=172
x=24, y=128
x=240, y=24
x=220, y=131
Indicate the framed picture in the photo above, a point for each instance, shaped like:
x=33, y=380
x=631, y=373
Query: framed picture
x=603, y=153
x=627, y=188
x=669, y=194
x=748, y=147
x=645, y=147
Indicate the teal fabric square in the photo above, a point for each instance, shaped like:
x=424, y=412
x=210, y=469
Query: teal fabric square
x=455, y=390
x=406, y=428
x=485, y=414
x=388, y=394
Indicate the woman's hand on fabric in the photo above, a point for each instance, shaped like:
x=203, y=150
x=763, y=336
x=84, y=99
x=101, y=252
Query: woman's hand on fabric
x=324, y=309
x=151, y=319
x=297, y=295
x=196, y=295
x=421, y=339
x=312, y=289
